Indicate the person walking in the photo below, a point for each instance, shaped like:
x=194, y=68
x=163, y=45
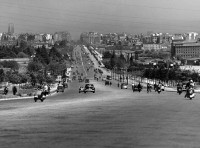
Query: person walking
x=133, y=86
x=5, y=90
x=148, y=88
x=14, y=89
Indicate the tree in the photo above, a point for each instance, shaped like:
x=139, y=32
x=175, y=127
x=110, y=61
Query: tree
x=14, y=78
x=10, y=64
x=113, y=59
x=2, y=75
x=107, y=54
x=40, y=78
x=23, y=44
x=55, y=55
x=22, y=55
x=34, y=67
x=24, y=78
x=44, y=55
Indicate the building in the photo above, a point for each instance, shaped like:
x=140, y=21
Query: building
x=152, y=46
x=185, y=49
x=91, y=37
x=62, y=36
x=84, y=37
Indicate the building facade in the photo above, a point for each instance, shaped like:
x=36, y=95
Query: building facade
x=151, y=46
x=185, y=49
x=91, y=37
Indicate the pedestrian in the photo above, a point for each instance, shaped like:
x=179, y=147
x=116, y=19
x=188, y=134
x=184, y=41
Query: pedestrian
x=139, y=87
x=14, y=89
x=45, y=89
x=110, y=83
x=49, y=89
x=5, y=90
x=155, y=87
x=118, y=84
x=148, y=88
x=133, y=86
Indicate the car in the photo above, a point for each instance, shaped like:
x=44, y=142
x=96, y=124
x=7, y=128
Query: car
x=107, y=82
x=89, y=88
x=60, y=88
x=104, y=79
x=81, y=89
x=124, y=86
x=65, y=85
x=109, y=77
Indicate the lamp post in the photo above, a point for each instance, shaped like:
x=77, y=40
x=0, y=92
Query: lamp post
x=120, y=74
x=127, y=75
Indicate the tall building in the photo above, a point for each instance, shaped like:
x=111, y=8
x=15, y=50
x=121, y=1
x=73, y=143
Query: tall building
x=10, y=28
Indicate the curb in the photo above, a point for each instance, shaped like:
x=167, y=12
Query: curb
x=53, y=92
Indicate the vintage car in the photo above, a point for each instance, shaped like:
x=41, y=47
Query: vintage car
x=89, y=88
x=65, y=85
x=124, y=86
x=60, y=88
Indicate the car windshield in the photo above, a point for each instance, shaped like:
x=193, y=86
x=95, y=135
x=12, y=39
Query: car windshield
x=89, y=85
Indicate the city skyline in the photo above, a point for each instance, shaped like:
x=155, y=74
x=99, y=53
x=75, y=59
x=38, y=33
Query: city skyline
x=100, y=16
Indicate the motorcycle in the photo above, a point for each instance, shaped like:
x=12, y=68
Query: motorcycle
x=190, y=93
x=5, y=91
x=40, y=97
x=139, y=89
x=159, y=90
x=179, y=90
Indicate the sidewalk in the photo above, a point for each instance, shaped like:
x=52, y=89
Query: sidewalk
x=24, y=96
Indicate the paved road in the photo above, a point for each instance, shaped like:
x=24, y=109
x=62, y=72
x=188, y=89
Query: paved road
x=109, y=118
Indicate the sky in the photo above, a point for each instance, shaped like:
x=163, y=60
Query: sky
x=103, y=16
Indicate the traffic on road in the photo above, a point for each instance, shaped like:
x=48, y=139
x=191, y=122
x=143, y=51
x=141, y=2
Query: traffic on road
x=96, y=110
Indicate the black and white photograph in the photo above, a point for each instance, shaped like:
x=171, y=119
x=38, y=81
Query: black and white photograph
x=99, y=74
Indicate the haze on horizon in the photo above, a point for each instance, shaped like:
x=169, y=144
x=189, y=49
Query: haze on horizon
x=77, y=16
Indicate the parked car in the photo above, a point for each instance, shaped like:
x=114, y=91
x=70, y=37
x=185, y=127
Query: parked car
x=60, y=88
x=89, y=88
x=124, y=86
x=81, y=89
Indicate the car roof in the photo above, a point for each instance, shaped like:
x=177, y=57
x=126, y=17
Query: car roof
x=89, y=84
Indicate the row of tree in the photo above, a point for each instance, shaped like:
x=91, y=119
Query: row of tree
x=161, y=71
x=44, y=66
